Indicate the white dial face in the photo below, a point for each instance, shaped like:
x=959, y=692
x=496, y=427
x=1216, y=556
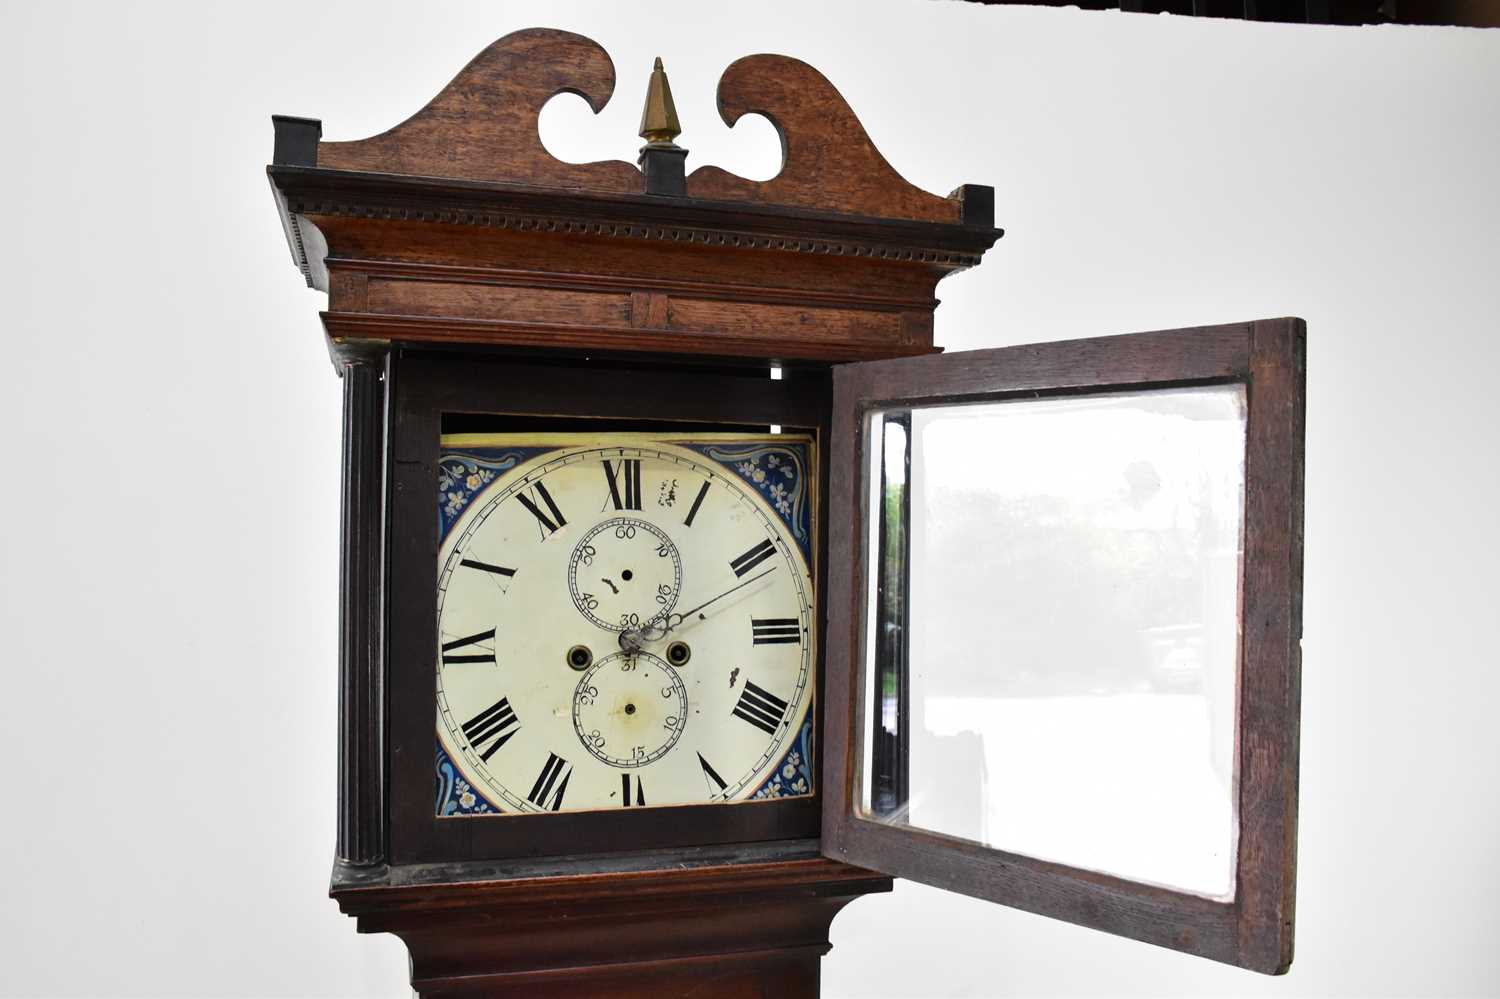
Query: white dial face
x=621, y=623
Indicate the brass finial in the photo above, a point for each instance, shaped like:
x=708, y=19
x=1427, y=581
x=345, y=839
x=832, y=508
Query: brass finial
x=659, y=125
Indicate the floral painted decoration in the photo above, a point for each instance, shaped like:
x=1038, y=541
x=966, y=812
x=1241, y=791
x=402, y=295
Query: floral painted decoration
x=793, y=777
x=779, y=473
x=463, y=475
x=455, y=796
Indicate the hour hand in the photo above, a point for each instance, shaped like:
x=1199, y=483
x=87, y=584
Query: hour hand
x=632, y=639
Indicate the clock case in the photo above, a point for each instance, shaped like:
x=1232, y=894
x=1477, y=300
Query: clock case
x=473, y=277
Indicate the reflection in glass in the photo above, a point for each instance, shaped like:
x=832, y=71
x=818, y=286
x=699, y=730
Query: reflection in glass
x=889, y=771
x=1052, y=642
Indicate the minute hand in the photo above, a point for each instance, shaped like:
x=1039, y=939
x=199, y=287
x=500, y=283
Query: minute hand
x=686, y=614
x=631, y=638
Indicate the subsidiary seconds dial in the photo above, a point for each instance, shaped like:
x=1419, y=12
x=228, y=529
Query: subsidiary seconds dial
x=625, y=573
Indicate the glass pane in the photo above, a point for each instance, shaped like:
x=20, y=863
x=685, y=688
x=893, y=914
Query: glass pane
x=1052, y=642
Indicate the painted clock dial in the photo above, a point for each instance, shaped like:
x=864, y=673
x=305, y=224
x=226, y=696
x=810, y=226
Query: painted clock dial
x=625, y=620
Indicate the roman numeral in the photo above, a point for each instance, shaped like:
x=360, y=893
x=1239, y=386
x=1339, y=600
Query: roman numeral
x=553, y=769
x=697, y=502
x=548, y=525
x=458, y=643
x=753, y=558
x=640, y=790
x=499, y=570
x=775, y=630
x=497, y=722
x=760, y=708
x=710, y=774
x=625, y=482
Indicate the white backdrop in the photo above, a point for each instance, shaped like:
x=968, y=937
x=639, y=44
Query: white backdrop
x=167, y=628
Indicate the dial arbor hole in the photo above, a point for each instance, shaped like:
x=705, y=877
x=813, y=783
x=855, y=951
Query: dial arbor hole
x=580, y=657
x=627, y=575
x=678, y=653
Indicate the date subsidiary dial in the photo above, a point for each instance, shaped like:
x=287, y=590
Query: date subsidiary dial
x=629, y=710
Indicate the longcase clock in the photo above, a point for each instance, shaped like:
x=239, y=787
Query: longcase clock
x=689, y=593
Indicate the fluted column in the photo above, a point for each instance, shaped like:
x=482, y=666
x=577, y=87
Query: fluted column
x=362, y=776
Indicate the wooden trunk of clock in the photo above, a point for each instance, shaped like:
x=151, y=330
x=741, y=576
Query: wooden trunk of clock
x=749, y=921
